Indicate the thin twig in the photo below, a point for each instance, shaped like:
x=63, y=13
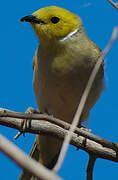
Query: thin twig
x=115, y=5
x=92, y=159
x=17, y=135
x=82, y=102
x=11, y=121
x=30, y=165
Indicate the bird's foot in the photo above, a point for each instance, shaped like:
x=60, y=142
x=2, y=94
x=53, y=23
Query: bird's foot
x=26, y=122
x=84, y=129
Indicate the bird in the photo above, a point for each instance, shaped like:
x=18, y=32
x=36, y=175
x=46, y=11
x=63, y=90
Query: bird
x=62, y=65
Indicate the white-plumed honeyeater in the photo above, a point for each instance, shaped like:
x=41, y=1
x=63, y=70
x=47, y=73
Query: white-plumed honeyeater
x=62, y=66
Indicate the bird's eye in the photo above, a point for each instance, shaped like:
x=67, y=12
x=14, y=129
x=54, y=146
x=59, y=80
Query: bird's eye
x=55, y=20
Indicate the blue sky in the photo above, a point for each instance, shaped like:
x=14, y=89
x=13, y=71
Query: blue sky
x=17, y=47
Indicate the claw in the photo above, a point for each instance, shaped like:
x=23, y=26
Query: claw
x=31, y=110
x=26, y=122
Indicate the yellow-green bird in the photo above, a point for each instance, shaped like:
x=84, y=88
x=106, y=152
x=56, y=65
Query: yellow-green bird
x=62, y=66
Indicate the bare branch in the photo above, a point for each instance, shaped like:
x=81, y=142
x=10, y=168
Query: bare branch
x=115, y=5
x=92, y=159
x=83, y=101
x=30, y=165
x=8, y=118
x=39, y=127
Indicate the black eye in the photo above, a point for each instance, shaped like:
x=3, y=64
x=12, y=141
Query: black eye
x=55, y=20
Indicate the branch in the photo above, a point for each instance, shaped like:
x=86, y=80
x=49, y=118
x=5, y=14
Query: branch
x=13, y=123
x=28, y=164
x=92, y=159
x=115, y=5
x=46, y=128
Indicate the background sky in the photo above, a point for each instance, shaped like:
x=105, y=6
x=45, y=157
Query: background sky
x=17, y=46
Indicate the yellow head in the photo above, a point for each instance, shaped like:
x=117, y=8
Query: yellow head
x=53, y=23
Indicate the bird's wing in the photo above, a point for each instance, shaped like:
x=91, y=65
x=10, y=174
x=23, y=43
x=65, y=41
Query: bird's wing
x=35, y=58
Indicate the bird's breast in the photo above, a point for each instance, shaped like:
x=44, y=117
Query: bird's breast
x=58, y=88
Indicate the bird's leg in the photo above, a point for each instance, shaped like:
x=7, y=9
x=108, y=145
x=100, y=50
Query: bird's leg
x=84, y=129
x=26, y=122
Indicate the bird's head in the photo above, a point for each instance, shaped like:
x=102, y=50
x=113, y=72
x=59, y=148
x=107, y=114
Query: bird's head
x=53, y=23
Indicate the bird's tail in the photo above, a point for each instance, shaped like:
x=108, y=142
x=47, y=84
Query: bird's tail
x=37, y=154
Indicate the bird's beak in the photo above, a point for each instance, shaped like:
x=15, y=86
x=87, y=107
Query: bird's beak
x=32, y=19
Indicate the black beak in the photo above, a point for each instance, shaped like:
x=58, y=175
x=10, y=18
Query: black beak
x=32, y=19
